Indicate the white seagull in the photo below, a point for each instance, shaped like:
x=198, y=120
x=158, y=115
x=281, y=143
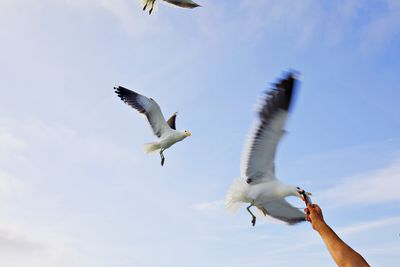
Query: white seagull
x=258, y=184
x=164, y=130
x=179, y=3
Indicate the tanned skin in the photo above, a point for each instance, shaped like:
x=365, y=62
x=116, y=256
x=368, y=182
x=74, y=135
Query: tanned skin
x=342, y=254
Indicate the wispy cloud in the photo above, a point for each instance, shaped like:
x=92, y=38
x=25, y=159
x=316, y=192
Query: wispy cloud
x=266, y=17
x=368, y=225
x=128, y=13
x=13, y=238
x=9, y=186
x=329, y=22
x=208, y=207
x=384, y=27
x=43, y=137
x=20, y=248
x=384, y=249
x=10, y=145
x=354, y=229
x=374, y=187
x=9, y=141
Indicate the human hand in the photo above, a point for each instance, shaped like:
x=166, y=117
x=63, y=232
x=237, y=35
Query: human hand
x=314, y=216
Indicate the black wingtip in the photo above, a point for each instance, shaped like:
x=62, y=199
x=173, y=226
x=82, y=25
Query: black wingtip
x=129, y=97
x=121, y=88
x=285, y=87
x=122, y=91
x=119, y=92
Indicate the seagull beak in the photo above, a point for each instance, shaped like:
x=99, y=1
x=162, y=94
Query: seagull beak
x=301, y=194
x=308, y=193
x=188, y=133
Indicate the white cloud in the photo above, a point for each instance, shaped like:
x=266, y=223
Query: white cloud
x=385, y=27
x=13, y=238
x=40, y=137
x=9, y=186
x=11, y=148
x=9, y=141
x=384, y=249
x=128, y=13
x=354, y=229
x=369, y=225
x=208, y=207
x=50, y=151
x=375, y=187
x=329, y=23
x=20, y=248
x=266, y=17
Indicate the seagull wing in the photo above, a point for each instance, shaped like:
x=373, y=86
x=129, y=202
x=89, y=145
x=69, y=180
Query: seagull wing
x=258, y=156
x=282, y=210
x=147, y=106
x=171, y=121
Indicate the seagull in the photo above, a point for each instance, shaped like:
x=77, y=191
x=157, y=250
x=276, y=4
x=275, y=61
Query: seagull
x=164, y=130
x=179, y=3
x=258, y=184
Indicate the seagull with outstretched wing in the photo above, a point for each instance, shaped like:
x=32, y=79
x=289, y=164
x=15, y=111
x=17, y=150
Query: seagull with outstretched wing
x=164, y=130
x=258, y=184
x=179, y=3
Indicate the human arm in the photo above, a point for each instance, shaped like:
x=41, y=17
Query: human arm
x=343, y=255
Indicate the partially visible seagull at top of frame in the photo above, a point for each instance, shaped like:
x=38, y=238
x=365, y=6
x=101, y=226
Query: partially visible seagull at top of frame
x=258, y=184
x=164, y=130
x=180, y=3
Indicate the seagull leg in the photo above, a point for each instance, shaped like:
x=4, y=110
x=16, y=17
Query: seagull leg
x=144, y=8
x=152, y=6
x=253, y=221
x=162, y=157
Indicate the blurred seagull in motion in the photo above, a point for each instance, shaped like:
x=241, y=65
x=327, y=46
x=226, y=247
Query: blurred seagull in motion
x=258, y=184
x=180, y=3
x=164, y=130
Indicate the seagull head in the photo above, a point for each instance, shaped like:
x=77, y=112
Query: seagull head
x=187, y=133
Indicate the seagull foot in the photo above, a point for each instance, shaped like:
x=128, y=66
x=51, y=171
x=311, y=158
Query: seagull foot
x=253, y=221
x=162, y=157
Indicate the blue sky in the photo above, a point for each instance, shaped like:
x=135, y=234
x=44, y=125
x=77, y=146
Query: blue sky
x=76, y=188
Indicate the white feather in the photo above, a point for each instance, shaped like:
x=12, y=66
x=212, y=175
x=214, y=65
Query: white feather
x=151, y=147
x=236, y=195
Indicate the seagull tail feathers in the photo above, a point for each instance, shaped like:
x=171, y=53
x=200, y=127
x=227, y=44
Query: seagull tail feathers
x=236, y=195
x=151, y=147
